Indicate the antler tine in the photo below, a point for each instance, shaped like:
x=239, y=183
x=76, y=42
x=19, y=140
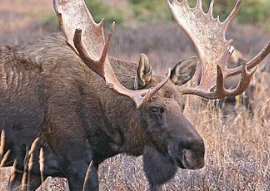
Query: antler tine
x=72, y=15
x=252, y=63
x=214, y=50
x=256, y=60
x=220, y=90
x=211, y=8
x=246, y=77
x=95, y=65
x=233, y=13
x=86, y=38
x=199, y=4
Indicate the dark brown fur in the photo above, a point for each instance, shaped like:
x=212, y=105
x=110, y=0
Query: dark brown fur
x=46, y=91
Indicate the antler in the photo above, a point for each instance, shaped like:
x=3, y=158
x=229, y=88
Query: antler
x=87, y=39
x=208, y=36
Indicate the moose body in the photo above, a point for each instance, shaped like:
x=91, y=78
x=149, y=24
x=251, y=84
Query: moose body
x=48, y=92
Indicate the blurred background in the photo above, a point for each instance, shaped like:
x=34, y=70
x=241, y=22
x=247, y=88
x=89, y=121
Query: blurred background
x=237, y=149
x=141, y=25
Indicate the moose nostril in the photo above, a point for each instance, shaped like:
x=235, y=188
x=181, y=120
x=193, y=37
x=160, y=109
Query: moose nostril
x=192, y=144
x=188, y=156
x=191, y=160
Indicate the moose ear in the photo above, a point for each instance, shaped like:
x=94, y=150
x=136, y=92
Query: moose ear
x=144, y=72
x=184, y=71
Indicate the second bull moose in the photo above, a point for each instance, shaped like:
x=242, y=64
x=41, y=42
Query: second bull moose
x=86, y=107
x=228, y=105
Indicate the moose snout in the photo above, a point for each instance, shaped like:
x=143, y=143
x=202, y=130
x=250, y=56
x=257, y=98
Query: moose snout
x=191, y=160
x=188, y=153
x=192, y=153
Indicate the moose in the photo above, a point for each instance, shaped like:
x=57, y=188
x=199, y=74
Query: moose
x=228, y=104
x=84, y=106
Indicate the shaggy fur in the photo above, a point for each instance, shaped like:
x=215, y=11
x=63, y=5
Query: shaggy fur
x=46, y=91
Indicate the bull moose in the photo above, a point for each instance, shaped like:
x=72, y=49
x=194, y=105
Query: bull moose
x=228, y=104
x=86, y=107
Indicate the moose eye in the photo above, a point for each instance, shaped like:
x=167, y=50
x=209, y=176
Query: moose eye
x=157, y=110
x=154, y=110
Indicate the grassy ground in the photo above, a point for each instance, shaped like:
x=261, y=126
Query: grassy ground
x=21, y=19
x=237, y=146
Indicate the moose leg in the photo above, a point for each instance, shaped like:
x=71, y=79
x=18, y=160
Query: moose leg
x=93, y=178
x=75, y=164
x=155, y=187
x=158, y=168
x=77, y=177
x=35, y=182
x=90, y=180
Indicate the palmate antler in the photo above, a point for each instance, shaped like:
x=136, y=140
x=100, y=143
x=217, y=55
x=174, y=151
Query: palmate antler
x=208, y=36
x=87, y=39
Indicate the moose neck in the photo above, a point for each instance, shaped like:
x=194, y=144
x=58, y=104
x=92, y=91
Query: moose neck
x=104, y=114
x=121, y=113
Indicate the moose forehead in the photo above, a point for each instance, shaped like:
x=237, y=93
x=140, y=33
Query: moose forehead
x=168, y=92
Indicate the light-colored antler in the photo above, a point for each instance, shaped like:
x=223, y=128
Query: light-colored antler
x=87, y=39
x=214, y=50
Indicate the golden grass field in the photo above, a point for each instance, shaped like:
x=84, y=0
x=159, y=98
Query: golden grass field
x=237, y=146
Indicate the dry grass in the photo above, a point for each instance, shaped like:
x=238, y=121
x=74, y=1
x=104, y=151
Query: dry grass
x=237, y=148
x=19, y=17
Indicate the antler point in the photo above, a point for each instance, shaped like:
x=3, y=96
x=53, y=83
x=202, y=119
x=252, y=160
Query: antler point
x=101, y=23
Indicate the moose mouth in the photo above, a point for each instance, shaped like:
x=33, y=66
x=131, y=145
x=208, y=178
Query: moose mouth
x=181, y=162
x=187, y=159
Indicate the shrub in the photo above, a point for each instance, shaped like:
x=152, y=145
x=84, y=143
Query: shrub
x=252, y=11
x=255, y=12
x=149, y=11
x=101, y=10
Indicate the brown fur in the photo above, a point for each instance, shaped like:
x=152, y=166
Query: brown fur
x=46, y=91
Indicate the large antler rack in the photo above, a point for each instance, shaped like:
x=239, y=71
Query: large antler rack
x=208, y=36
x=87, y=39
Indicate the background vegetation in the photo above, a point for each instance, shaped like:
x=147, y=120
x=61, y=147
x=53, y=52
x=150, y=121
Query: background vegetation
x=149, y=11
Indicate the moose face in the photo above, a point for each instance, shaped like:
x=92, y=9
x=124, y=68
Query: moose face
x=163, y=120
